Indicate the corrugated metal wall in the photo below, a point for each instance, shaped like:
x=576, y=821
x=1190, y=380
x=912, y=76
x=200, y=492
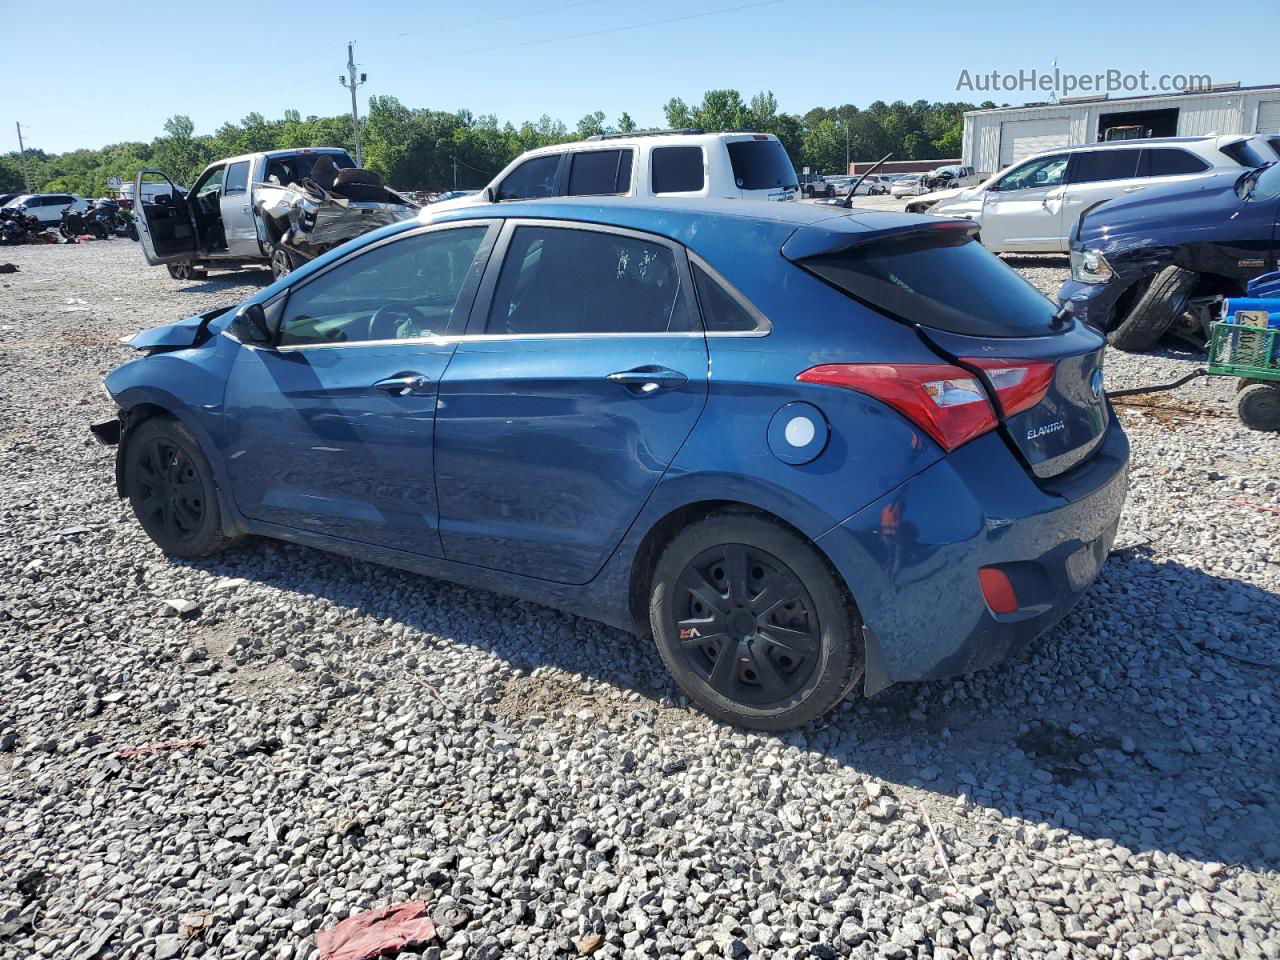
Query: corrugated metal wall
x=1230, y=111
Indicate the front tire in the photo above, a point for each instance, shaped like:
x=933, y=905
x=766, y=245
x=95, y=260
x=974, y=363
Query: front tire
x=281, y=263
x=753, y=624
x=182, y=270
x=172, y=490
x=1154, y=312
x=1258, y=406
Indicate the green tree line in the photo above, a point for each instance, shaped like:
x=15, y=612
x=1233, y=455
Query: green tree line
x=416, y=148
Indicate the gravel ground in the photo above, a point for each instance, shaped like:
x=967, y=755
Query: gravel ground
x=367, y=736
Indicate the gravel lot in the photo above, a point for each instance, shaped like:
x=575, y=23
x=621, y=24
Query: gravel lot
x=368, y=736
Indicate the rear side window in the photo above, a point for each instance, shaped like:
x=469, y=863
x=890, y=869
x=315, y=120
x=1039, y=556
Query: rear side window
x=942, y=279
x=599, y=172
x=532, y=179
x=676, y=169
x=723, y=310
x=761, y=165
x=237, y=178
x=1093, y=166
x=1169, y=163
x=557, y=280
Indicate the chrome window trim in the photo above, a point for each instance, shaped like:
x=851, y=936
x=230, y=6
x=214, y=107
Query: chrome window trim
x=764, y=326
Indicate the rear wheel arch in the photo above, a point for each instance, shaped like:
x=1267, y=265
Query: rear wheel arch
x=667, y=527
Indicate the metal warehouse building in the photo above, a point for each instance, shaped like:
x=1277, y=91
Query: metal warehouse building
x=993, y=139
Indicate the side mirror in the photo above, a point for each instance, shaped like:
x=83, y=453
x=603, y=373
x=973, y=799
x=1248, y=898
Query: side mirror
x=251, y=326
x=490, y=195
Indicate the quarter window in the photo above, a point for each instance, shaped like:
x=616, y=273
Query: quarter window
x=237, y=178
x=1169, y=162
x=722, y=311
x=532, y=179
x=676, y=169
x=559, y=280
x=1045, y=172
x=600, y=172
x=402, y=290
x=1093, y=166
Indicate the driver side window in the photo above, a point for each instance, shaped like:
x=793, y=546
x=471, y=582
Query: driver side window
x=212, y=182
x=1045, y=172
x=402, y=290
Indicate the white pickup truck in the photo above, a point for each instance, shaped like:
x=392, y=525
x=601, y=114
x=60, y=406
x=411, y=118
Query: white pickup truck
x=215, y=222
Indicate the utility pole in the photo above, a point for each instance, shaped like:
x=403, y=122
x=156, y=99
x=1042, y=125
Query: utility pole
x=351, y=84
x=846, y=147
x=455, y=173
x=22, y=155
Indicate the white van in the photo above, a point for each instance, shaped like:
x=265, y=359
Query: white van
x=681, y=163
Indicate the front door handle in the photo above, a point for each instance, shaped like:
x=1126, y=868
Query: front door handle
x=404, y=385
x=649, y=379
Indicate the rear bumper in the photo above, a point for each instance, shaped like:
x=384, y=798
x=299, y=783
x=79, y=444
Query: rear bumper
x=912, y=558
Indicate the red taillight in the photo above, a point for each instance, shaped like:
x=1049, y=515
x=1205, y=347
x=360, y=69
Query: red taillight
x=997, y=590
x=1020, y=384
x=947, y=402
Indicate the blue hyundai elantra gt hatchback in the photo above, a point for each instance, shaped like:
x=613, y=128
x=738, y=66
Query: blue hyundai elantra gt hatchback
x=799, y=448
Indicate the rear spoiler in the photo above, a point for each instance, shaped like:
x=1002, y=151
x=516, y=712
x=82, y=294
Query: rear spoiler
x=828, y=237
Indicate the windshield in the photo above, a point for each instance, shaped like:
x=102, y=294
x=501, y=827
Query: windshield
x=761, y=165
x=1261, y=183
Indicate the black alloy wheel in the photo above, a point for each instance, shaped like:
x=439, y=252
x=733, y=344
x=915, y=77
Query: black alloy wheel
x=747, y=626
x=753, y=622
x=172, y=489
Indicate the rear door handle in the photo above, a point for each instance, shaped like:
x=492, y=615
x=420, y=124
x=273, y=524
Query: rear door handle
x=404, y=385
x=649, y=379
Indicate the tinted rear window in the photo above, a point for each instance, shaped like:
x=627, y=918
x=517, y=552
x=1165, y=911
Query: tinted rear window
x=1246, y=154
x=676, y=169
x=1169, y=163
x=949, y=282
x=1095, y=165
x=598, y=172
x=761, y=165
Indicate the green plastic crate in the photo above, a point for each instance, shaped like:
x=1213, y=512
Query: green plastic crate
x=1236, y=350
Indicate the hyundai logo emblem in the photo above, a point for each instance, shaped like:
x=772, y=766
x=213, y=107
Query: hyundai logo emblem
x=1095, y=384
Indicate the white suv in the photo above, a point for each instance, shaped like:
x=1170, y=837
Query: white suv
x=48, y=207
x=1033, y=205
x=684, y=163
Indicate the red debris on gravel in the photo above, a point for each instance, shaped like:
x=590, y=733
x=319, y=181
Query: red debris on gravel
x=157, y=747
x=377, y=933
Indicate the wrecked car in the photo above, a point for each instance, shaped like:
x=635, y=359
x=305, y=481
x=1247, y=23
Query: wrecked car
x=280, y=208
x=1162, y=261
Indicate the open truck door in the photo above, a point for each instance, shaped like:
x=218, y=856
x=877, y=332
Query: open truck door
x=166, y=226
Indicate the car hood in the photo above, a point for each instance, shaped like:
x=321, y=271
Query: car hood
x=174, y=336
x=428, y=212
x=1206, y=203
x=954, y=193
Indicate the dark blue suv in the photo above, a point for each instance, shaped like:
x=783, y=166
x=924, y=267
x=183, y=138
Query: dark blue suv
x=799, y=449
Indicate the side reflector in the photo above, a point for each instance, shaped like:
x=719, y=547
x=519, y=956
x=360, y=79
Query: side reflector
x=997, y=590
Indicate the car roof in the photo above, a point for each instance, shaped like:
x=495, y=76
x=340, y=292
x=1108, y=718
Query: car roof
x=683, y=219
x=614, y=140
x=272, y=154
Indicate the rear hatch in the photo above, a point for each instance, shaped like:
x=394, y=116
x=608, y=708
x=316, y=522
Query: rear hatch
x=1041, y=375
x=761, y=167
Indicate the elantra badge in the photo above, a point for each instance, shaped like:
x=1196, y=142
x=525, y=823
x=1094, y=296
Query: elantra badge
x=1048, y=428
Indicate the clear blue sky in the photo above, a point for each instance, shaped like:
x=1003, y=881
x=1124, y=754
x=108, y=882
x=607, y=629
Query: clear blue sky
x=519, y=60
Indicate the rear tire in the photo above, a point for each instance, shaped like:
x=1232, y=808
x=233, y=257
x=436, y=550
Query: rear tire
x=753, y=624
x=1258, y=406
x=1154, y=312
x=182, y=270
x=172, y=489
